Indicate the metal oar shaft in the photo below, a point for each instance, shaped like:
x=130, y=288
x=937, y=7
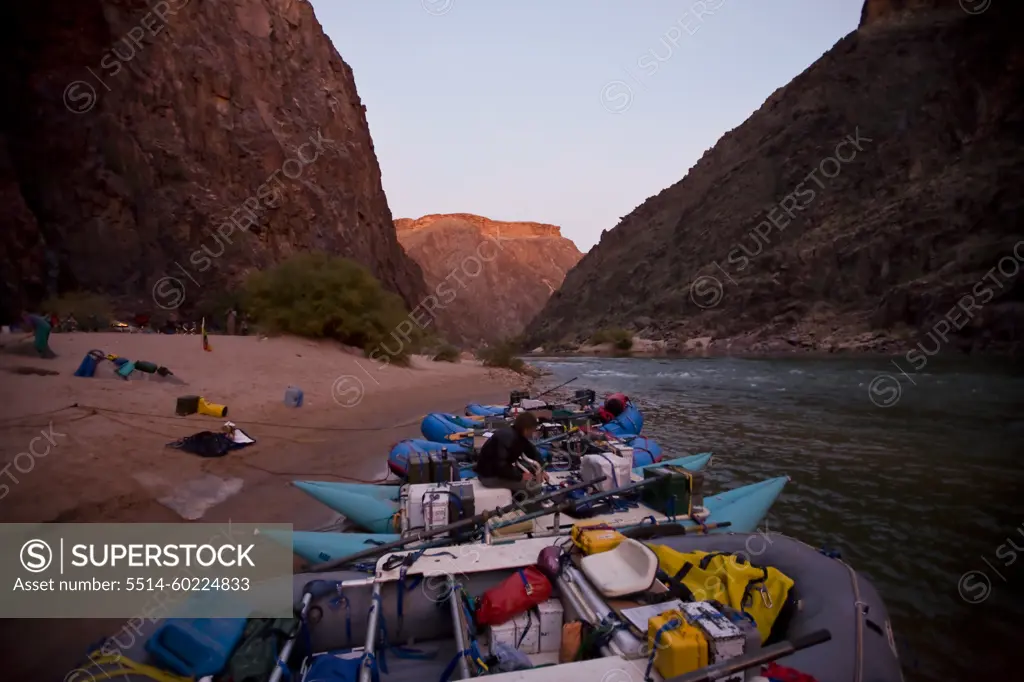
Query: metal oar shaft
x=557, y=387
x=482, y=517
x=572, y=503
x=767, y=655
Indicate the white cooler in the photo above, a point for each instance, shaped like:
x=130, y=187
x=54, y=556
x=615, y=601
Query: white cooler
x=616, y=467
x=522, y=632
x=426, y=506
x=551, y=618
x=540, y=637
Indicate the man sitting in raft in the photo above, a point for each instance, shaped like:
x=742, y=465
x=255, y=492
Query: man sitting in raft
x=41, y=330
x=506, y=459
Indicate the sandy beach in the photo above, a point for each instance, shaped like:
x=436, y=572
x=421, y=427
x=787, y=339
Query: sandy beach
x=99, y=450
x=100, y=443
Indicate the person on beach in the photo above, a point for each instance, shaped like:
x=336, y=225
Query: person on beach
x=40, y=329
x=509, y=460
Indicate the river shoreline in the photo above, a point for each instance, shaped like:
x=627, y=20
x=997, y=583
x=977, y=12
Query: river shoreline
x=779, y=353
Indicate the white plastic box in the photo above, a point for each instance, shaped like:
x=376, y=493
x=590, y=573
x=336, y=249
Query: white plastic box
x=522, y=632
x=616, y=467
x=427, y=506
x=540, y=629
x=725, y=639
x=551, y=621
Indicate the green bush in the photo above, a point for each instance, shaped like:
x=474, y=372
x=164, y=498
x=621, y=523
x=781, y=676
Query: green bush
x=93, y=312
x=447, y=353
x=621, y=339
x=504, y=354
x=316, y=295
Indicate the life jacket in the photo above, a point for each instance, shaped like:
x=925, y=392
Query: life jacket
x=604, y=415
x=765, y=594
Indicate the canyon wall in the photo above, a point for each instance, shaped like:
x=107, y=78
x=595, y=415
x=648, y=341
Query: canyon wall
x=497, y=274
x=158, y=152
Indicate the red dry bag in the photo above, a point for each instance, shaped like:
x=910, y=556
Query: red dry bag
x=516, y=594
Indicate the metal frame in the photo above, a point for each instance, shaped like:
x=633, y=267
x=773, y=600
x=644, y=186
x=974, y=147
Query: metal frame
x=369, y=648
x=455, y=600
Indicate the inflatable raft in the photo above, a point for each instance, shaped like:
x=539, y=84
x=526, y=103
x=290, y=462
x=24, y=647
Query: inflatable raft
x=438, y=426
x=627, y=421
x=366, y=505
x=741, y=508
x=417, y=449
x=350, y=618
x=478, y=410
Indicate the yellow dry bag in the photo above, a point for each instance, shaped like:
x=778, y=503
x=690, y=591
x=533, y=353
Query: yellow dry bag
x=729, y=579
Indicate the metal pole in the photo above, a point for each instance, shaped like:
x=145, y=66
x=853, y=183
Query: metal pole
x=720, y=671
x=365, y=672
x=570, y=591
x=460, y=631
x=286, y=650
x=630, y=645
x=557, y=387
x=482, y=517
x=567, y=505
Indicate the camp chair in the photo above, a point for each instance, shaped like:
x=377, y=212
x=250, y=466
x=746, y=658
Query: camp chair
x=627, y=569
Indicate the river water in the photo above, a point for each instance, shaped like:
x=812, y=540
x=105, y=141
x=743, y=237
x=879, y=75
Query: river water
x=914, y=477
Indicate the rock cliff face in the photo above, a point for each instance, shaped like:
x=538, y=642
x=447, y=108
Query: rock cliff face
x=874, y=199
x=499, y=274
x=163, y=149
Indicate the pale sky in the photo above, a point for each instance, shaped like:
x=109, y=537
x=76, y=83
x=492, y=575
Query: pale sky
x=570, y=112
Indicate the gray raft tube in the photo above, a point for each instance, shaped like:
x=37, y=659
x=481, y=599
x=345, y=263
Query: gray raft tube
x=832, y=596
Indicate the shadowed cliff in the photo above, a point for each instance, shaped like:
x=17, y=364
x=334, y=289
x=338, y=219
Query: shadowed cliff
x=874, y=199
x=161, y=151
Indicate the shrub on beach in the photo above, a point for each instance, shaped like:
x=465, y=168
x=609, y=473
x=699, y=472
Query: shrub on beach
x=319, y=296
x=447, y=353
x=503, y=354
x=621, y=339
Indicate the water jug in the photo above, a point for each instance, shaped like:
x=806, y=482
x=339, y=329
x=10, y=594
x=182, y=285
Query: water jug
x=196, y=647
x=293, y=396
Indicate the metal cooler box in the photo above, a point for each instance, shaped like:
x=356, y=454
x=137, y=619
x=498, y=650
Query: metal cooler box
x=725, y=639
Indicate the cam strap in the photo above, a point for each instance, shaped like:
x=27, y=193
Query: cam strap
x=677, y=588
x=526, y=583
x=706, y=560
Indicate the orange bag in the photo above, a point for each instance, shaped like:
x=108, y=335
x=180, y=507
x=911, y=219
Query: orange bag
x=572, y=637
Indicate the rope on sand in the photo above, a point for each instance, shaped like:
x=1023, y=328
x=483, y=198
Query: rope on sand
x=107, y=413
x=306, y=474
x=16, y=422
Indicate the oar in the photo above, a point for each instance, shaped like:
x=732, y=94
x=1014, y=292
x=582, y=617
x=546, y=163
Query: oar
x=482, y=517
x=545, y=441
x=720, y=671
x=668, y=529
x=557, y=387
x=564, y=506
